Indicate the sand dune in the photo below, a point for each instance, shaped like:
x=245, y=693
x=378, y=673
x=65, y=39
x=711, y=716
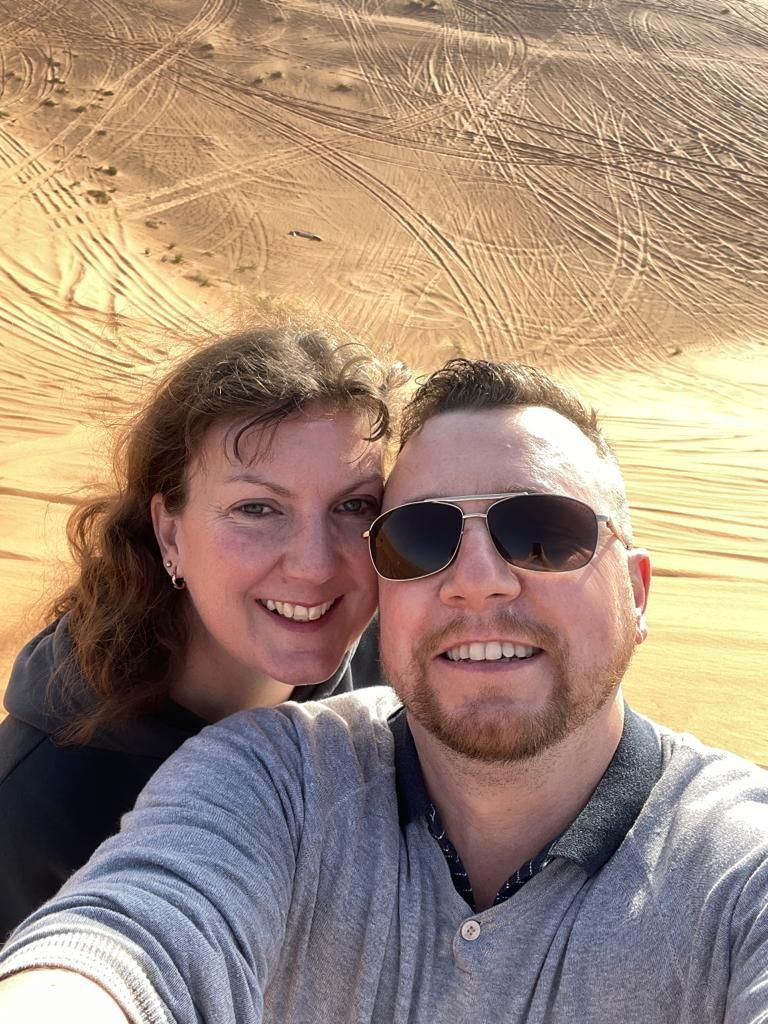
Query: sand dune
x=581, y=185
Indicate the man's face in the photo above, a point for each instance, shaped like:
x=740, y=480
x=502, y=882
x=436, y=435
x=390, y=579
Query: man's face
x=583, y=625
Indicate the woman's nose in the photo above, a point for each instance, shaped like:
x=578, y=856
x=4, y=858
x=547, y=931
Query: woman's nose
x=311, y=553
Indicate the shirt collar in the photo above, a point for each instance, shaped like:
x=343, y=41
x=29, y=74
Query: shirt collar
x=412, y=799
x=598, y=831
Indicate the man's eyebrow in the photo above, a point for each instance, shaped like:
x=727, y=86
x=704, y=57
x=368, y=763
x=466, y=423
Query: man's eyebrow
x=417, y=497
x=442, y=497
x=421, y=497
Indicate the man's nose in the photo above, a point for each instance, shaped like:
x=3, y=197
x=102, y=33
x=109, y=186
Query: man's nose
x=478, y=575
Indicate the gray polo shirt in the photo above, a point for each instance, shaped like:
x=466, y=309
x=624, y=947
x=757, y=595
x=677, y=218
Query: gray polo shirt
x=591, y=840
x=264, y=876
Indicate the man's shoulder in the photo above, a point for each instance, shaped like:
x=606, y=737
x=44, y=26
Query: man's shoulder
x=346, y=727
x=371, y=704
x=357, y=715
x=697, y=855
x=697, y=764
x=342, y=741
x=710, y=799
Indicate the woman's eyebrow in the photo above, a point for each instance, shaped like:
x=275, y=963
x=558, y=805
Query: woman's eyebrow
x=363, y=481
x=259, y=481
x=374, y=480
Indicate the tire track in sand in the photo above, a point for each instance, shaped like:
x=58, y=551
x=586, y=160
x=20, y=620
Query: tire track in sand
x=135, y=79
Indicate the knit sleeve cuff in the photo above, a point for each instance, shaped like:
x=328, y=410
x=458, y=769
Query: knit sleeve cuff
x=68, y=942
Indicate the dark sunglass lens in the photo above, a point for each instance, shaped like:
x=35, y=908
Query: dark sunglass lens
x=415, y=540
x=546, y=532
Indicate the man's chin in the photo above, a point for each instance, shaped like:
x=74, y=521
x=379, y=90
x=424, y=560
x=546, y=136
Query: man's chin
x=498, y=732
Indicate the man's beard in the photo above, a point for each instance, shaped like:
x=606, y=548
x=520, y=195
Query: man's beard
x=514, y=733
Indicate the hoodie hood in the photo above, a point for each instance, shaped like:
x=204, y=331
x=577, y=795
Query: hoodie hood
x=47, y=691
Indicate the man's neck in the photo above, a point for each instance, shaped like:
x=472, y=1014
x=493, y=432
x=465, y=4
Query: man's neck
x=500, y=816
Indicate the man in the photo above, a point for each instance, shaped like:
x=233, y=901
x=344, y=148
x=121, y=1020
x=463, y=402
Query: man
x=514, y=846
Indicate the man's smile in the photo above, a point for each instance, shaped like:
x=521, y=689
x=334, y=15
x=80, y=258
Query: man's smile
x=493, y=650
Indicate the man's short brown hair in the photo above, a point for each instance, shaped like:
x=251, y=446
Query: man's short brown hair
x=476, y=384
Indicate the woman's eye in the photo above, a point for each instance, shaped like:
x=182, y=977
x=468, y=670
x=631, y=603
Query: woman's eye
x=360, y=507
x=254, y=509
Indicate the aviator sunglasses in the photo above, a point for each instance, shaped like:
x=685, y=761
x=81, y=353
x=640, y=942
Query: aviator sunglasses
x=542, y=532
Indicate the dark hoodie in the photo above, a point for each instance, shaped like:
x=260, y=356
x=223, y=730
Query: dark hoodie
x=58, y=803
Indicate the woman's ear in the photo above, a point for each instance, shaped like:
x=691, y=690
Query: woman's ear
x=640, y=577
x=164, y=525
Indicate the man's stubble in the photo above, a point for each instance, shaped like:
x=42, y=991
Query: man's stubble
x=515, y=733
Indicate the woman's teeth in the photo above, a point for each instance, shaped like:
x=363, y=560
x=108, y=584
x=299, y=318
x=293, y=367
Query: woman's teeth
x=298, y=612
x=493, y=651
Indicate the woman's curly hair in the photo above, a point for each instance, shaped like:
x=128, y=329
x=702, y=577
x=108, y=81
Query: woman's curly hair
x=128, y=626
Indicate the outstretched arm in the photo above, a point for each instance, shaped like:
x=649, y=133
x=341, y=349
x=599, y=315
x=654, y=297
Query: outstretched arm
x=61, y=997
x=185, y=907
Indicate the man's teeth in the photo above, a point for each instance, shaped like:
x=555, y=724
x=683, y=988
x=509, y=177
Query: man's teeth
x=298, y=612
x=493, y=651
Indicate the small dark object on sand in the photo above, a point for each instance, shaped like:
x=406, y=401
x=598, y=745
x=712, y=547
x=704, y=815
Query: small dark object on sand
x=306, y=234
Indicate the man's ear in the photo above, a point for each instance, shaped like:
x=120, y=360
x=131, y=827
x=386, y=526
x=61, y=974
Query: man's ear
x=640, y=577
x=164, y=525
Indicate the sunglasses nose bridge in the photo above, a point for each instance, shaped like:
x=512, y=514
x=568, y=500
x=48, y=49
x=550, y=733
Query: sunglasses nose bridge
x=478, y=576
x=472, y=515
x=475, y=515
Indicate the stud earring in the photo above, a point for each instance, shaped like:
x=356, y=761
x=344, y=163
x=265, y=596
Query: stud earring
x=177, y=582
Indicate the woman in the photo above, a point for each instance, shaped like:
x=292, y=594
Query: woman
x=227, y=571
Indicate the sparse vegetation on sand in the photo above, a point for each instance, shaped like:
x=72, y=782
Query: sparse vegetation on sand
x=198, y=278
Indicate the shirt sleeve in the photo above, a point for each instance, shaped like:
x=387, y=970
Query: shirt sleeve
x=181, y=916
x=747, y=1001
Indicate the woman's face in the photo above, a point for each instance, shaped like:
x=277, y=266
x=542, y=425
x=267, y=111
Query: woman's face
x=270, y=545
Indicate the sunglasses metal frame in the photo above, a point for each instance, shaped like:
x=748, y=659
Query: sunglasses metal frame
x=496, y=499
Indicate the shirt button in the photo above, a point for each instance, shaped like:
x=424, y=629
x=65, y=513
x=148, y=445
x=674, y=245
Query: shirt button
x=470, y=930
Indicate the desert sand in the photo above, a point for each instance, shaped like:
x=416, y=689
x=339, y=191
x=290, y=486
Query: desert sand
x=579, y=184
